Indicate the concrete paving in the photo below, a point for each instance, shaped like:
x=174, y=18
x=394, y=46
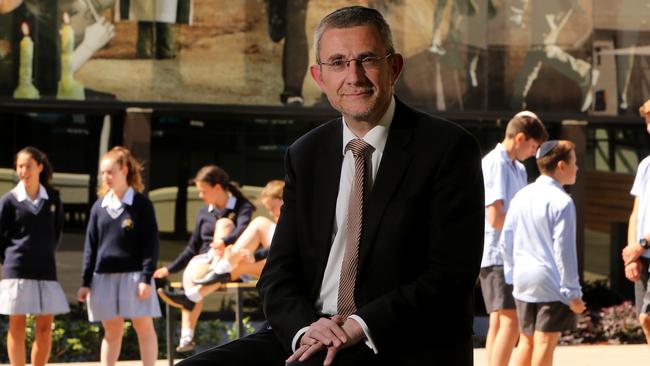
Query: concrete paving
x=591, y=355
x=597, y=355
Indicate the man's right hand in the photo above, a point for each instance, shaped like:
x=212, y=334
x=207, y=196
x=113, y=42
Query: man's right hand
x=161, y=272
x=321, y=335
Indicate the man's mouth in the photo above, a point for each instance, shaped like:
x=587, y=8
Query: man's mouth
x=356, y=93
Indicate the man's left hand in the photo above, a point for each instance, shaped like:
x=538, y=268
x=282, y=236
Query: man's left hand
x=631, y=253
x=311, y=345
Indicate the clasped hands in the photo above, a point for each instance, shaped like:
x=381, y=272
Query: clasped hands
x=633, y=266
x=328, y=334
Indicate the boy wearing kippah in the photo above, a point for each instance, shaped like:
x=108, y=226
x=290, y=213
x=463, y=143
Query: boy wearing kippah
x=636, y=255
x=539, y=255
x=503, y=176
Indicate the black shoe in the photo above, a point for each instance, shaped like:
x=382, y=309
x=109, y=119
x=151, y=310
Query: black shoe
x=213, y=277
x=176, y=299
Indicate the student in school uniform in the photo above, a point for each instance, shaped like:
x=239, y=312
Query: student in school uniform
x=539, y=254
x=503, y=176
x=120, y=255
x=219, y=223
x=636, y=255
x=31, y=220
x=254, y=243
x=246, y=257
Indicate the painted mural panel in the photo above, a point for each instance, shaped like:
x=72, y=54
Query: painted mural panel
x=470, y=55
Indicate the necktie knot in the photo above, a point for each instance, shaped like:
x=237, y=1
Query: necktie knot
x=359, y=147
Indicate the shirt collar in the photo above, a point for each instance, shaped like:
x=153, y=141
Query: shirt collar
x=503, y=153
x=20, y=192
x=378, y=135
x=545, y=179
x=232, y=201
x=111, y=201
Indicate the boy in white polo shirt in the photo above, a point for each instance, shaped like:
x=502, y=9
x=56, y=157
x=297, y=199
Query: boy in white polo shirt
x=636, y=254
x=503, y=176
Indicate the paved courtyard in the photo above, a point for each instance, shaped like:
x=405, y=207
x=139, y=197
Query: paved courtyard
x=602, y=355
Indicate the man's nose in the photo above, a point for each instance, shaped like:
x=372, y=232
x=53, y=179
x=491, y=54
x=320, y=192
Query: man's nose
x=355, y=70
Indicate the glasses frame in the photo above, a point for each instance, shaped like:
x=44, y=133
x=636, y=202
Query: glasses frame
x=361, y=61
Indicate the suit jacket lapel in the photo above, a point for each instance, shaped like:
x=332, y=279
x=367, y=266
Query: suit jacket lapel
x=327, y=175
x=394, y=163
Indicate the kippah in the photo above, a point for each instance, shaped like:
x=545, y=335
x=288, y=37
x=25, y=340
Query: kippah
x=527, y=114
x=545, y=148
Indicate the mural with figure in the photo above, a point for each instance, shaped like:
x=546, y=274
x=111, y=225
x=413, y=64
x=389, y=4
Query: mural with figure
x=469, y=55
x=622, y=47
x=547, y=20
x=38, y=52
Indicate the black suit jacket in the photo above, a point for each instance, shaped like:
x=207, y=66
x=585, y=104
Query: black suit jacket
x=421, y=243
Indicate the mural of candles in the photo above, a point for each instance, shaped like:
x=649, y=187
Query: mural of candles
x=26, y=88
x=69, y=88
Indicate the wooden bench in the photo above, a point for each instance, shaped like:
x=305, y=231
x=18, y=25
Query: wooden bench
x=238, y=288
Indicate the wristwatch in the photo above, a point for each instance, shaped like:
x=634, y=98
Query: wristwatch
x=644, y=243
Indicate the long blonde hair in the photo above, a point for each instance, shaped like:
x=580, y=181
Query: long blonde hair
x=123, y=157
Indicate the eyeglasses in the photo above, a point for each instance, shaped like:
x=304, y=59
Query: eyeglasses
x=367, y=63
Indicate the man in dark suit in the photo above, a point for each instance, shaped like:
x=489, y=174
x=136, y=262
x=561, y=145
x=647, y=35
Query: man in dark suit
x=374, y=247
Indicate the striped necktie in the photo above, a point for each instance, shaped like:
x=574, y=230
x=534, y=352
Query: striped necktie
x=361, y=151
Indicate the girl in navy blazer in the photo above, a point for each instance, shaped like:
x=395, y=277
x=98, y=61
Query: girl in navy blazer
x=120, y=255
x=31, y=219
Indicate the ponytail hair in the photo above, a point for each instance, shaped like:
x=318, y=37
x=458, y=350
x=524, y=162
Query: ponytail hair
x=213, y=175
x=123, y=157
x=40, y=158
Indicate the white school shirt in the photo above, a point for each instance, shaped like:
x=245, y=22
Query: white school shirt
x=641, y=190
x=539, y=244
x=502, y=178
x=20, y=192
x=329, y=291
x=114, y=206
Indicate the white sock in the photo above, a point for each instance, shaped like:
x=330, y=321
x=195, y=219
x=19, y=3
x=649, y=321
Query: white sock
x=187, y=333
x=194, y=294
x=223, y=266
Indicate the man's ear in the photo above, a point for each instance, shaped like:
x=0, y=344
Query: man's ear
x=396, y=65
x=317, y=75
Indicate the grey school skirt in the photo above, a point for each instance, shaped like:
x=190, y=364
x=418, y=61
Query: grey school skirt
x=116, y=294
x=19, y=296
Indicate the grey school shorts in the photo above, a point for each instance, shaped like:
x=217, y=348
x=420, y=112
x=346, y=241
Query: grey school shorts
x=546, y=317
x=497, y=294
x=641, y=293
